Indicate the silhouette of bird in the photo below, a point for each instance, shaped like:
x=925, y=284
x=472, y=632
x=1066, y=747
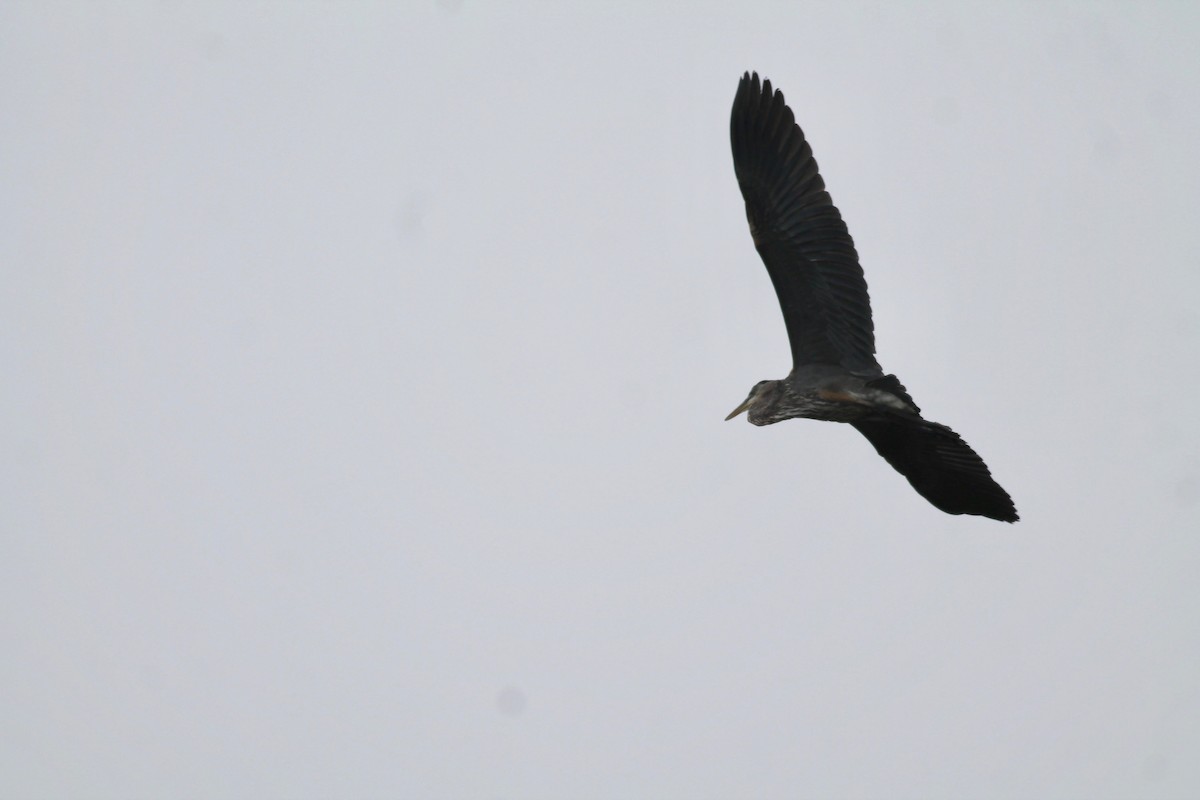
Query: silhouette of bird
x=813, y=264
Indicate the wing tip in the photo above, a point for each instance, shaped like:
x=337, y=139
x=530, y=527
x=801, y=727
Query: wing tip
x=751, y=83
x=999, y=507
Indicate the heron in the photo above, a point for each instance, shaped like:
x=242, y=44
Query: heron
x=808, y=252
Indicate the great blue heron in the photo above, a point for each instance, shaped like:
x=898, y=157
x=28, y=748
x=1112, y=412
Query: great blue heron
x=812, y=262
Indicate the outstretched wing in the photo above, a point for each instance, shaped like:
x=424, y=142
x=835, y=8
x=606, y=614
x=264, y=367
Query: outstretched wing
x=799, y=233
x=939, y=465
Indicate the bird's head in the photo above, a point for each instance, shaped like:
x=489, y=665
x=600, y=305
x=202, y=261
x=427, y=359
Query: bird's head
x=759, y=402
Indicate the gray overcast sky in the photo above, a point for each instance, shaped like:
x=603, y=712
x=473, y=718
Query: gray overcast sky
x=364, y=368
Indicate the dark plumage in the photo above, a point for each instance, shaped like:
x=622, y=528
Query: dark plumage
x=813, y=264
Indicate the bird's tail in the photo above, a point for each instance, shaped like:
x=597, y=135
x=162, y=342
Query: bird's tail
x=939, y=465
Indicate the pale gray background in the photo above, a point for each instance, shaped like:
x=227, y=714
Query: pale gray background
x=363, y=375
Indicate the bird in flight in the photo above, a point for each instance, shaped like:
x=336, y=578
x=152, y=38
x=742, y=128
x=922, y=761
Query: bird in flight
x=813, y=264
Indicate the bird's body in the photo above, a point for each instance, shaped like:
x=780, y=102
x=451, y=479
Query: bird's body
x=820, y=391
x=815, y=270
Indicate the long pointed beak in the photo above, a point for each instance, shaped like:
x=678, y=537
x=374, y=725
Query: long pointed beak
x=739, y=409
